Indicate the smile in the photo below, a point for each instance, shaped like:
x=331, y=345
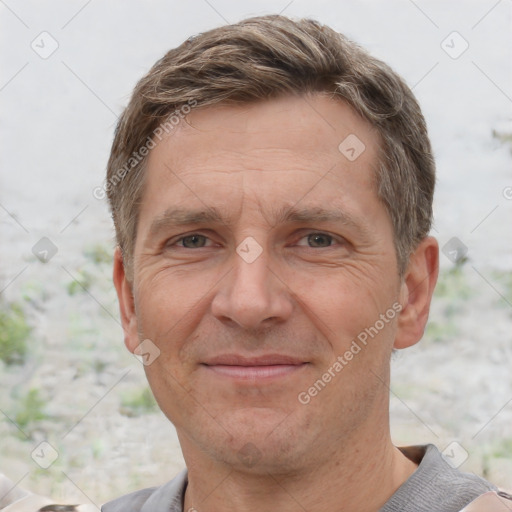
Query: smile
x=258, y=368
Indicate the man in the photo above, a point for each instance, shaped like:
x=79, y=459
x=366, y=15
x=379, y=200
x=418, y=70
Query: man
x=271, y=187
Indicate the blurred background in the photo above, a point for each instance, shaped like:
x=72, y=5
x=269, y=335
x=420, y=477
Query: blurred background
x=77, y=420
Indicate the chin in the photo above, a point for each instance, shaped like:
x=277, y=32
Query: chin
x=258, y=441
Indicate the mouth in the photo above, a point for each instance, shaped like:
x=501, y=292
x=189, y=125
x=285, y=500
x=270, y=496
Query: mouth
x=261, y=368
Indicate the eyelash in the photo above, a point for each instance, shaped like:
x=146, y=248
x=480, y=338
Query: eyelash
x=333, y=239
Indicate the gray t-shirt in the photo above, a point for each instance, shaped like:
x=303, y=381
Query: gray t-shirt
x=434, y=487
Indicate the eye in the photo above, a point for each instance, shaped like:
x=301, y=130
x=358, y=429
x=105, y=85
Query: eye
x=194, y=241
x=317, y=240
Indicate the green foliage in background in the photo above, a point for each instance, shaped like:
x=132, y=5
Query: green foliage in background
x=30, y=409
x=14, y=332
x=138, y=403
x=82, y=284
x=453, y=284
x=437, y=331
x=99, y=254
x=503, y=449
x=503, y=282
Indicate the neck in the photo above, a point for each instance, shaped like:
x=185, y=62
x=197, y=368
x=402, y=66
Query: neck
x=357, y=476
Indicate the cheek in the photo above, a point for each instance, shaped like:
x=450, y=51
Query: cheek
x=355, y=315
x=168, y=306
x=170, y=390
x=349, y=299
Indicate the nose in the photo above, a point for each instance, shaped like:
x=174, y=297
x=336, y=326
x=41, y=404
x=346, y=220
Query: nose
x=253, y=295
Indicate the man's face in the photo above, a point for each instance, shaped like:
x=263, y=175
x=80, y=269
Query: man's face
x=262, y=252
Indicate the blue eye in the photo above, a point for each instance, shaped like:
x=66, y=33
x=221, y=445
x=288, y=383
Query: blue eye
x=193, y=241
x=317, y=240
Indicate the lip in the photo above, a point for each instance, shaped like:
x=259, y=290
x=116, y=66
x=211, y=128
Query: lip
x=265, y=367
x=263, y=360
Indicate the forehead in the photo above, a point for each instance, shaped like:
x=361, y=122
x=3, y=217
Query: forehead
x=310, y=125
x=272, y=152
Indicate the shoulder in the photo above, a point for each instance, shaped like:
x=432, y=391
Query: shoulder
x=129, y=502
x=444, y=468
x=437, y=484
x=166, y=498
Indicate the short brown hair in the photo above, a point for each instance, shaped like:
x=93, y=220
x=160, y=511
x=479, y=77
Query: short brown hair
x=266, y=57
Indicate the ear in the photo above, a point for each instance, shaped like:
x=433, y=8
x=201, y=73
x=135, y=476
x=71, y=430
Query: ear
x=416, y=293
x=126, y=302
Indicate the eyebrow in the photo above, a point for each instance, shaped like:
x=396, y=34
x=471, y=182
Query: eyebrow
x=316, y=214
x=182, y=217
x=312, y=215
x=291, y=214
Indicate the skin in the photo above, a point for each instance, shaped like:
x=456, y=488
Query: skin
x=248, y=442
